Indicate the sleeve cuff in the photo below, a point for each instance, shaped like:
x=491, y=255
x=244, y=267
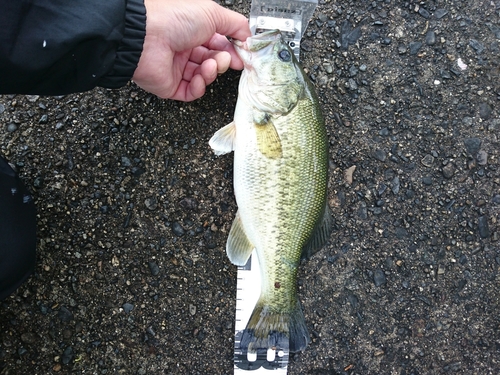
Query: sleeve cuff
x=130, y=49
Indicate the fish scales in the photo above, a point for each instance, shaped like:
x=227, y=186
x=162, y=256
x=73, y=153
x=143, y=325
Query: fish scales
x=284, y=197
x=280, y=181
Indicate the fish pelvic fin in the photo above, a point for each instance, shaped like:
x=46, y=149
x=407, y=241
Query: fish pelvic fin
x=222, y=142
x=269, y=329
x=320, y=234
x=238, y=246
x=268, y=139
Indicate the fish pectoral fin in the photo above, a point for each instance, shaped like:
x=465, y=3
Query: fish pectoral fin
x=238, y=247
x=320, y=234
x=268, y=139
x=222, y=142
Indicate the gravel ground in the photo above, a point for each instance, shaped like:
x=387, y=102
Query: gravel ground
x=134, y=210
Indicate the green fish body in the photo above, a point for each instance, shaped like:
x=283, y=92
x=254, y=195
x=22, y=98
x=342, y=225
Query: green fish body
x=280, y=182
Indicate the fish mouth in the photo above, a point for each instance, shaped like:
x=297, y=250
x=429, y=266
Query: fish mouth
x=256, y=43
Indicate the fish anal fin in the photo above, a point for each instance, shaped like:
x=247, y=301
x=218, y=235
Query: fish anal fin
x=320, y=234
x=238, y=247
x=222, y=142
x=268, y=139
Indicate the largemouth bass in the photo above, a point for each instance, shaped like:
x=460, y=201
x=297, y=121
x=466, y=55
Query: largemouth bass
x=280, y=182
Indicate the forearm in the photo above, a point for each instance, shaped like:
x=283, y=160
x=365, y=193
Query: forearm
x=58, y=47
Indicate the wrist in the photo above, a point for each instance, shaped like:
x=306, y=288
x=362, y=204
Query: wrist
x=130, y=49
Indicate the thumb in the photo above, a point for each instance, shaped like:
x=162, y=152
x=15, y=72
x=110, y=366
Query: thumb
x=230, y=23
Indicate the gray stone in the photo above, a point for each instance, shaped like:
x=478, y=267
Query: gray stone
x=484, y=230
x=127, y=307
x=472, y=145
x=430, y=38
x=485, y=111
x=379, y=278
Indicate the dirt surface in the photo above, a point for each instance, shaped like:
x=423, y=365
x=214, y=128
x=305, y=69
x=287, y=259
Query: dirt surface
x=134, y=210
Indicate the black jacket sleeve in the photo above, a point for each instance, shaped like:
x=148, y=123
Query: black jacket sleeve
x=55, y=47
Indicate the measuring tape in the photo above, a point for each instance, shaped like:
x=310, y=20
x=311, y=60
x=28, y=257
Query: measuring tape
x=247, y=294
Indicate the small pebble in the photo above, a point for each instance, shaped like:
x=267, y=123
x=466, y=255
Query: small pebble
x=482, y=157
x=430, y=38
x=127, y=307
x=415, y=47
x=440, y=13
x=427, y=180
x=380, y=155
x=445, y=74
x=468, y=121
x=151, y=203
x=427, y=160
x=178, y=229
x=477, y=46
x=67, y=355
x=44, y=119
x=125, y=162
x=32, y=98
x=379, y=278
x=456, y=70
x=363, y=211
x=461, y=64
x=395, y=185
x=11, y=127
x=484, y=230
x=153, y=268
x=472, y=145
x=485, y=111
x=352, y=84
x=384, y=132
x=449, y=170
x=348, y=174
x=192, y=309
x=423, y=12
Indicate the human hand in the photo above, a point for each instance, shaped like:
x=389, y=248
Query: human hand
x=185, y=47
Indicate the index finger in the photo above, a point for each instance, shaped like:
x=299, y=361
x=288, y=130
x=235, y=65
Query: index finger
x=220, y=43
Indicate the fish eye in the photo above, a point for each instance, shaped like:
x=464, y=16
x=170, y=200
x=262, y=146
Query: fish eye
x=284, y=55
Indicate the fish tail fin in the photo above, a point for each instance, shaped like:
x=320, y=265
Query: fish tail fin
x=299, y=335
x=269, y=329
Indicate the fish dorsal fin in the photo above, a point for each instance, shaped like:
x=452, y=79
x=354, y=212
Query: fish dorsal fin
x=268, y=139
x=320, y=234
x=222, y=142
x=238, y=247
